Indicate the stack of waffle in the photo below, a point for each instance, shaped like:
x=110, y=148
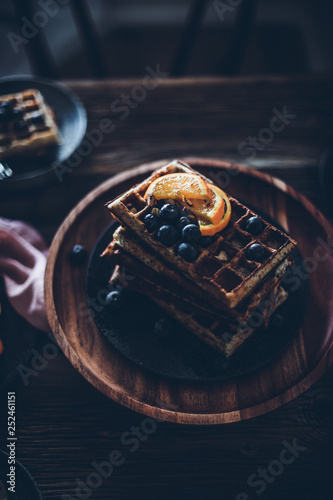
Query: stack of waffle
x=27, y=124
x=222, y=297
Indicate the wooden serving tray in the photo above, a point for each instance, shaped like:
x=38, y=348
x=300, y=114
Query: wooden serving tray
x=297, y=368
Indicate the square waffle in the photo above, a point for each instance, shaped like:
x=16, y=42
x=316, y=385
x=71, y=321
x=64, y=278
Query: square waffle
x=127, y=251
x=222, y=334
x=188, y=304
x=27, y=124
x=223, y=269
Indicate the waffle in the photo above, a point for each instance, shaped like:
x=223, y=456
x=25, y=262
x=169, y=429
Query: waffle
x=27, y=124
x=222, y=269
x=187, y=304
x=126, y=251
x=224, y=336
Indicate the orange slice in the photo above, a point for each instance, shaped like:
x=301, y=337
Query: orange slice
x=211, y=210
x=208, y=229
x=178, y=186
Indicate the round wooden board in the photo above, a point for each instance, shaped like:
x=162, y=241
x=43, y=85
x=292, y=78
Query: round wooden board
x=300, y=365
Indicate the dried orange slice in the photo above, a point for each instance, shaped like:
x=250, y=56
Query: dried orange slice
x=208, y=229
x=212, y=209
x=178, y=186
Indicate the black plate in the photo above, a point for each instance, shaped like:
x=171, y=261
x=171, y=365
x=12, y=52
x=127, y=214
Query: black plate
x=181, y=355
x=26, y=488
x=18, y=338
x=71, y=119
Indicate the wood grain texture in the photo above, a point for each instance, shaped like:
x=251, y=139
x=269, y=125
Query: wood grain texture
x=63, y=422
x=295, y=370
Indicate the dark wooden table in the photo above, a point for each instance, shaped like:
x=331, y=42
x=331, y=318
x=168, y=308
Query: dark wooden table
x=64, y=424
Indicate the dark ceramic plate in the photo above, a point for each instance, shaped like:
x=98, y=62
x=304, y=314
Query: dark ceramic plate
x=71, y=119
x=25, y=487
x=18, y=338
x=180, y=355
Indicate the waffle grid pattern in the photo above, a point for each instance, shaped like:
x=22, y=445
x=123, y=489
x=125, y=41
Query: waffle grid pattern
x=40, y=128
x=222, y=269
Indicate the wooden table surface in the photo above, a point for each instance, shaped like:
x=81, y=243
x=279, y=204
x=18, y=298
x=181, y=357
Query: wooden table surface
x=63, y=424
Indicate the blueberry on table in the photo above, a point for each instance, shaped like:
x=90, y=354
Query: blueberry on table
x=206, y=241
x=184, y=221
x=169, y=212
x=191, y=233
x=151, y=222
x=256, y=252
x=254, y=225
x=162, y=328
x=78, y=254
x=168, y=235
x=188, y=252
x=114, y=299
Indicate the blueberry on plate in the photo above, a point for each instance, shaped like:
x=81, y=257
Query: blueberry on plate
x=256, y=252
x=78, y=254
x=184, y=221
x=163, y=328
x=151, y=222
x=169, y=212
x=114, y=299
x=254, y=225
x=168, y=235
x=191, y=233
x=206, y=241
x=187, y=252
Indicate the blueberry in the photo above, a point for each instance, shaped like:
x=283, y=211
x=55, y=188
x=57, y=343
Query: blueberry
x=169, y=213
x=206, y=241
x=256, y=252
x=163, y=328
x=254, y=225
x=151, y=222
x=114, y=299
x=37, y=119
x=184, y=221
x=78, y=254
x=191, y=233
x=188, y=252
x=168, y=235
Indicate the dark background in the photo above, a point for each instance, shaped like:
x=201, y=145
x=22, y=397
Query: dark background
x=63, y=422
x=286, y=36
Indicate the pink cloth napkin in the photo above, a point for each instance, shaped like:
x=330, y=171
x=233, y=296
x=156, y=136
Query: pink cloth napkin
x=22, y=264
